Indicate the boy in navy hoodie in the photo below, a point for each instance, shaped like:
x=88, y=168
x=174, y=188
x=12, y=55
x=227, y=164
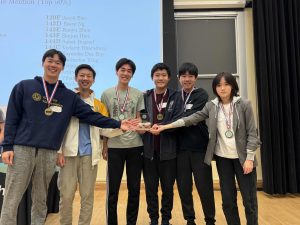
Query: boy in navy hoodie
x=162, y=105
x=38, y=114
x=192, y=144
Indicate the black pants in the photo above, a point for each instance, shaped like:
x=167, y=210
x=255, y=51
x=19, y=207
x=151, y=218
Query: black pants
x=165, y=172
x=228, y=169
x=134, y=164
x=190, y=164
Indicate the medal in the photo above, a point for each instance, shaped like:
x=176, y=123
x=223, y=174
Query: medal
x=121, y=117
x=48, y=111
x=228, y=132
x=160, y=116
x=122, y=110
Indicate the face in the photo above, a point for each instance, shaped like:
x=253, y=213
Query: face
x=224, y=89
x=124, y=73
x=187, y=81
x=161, y=79
x=84, y=79
x=52, y=67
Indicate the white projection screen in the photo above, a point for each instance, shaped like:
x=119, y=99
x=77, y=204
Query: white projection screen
x=95, y=32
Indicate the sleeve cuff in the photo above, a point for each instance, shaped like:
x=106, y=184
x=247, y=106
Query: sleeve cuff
x=250, y=154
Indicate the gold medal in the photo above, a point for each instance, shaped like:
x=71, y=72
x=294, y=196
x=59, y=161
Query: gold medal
x=160, y=116
x=48, y=111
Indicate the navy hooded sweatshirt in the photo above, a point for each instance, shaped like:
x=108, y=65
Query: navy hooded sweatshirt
x=26, y=122
x=194, y=138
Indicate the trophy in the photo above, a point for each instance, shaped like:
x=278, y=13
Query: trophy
x=145, y=125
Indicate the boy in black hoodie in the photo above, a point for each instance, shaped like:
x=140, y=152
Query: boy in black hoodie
x=38, y=114
x=162, y=105
x=192, y=143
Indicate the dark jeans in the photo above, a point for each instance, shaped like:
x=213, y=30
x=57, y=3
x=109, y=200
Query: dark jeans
x=190, y=164
x=228, y=169
x=165, y=172
x=134, y=164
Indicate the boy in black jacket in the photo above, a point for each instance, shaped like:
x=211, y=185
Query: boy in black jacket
x=192, y=143
x=38, y=114
x=162, y=106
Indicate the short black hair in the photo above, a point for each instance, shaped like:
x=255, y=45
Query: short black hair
x=85, y=66
x=230, y=79
x=124, y=61
x=52, y=52
x=160, y=66
x=188, y=68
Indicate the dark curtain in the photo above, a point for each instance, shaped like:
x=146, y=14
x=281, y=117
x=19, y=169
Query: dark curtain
x=277, y=55
x=169, y=41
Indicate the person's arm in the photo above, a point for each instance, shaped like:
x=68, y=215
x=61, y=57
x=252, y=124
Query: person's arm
x=86, y=115
x=253, y=141
x=13, y=116
x=197, y=117
x=193, y=119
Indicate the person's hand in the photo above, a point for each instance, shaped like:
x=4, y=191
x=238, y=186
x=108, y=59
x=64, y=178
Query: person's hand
x=248, y=166
x=61, y=162
x=156, y=129
x=8, y=157
x=104, y=152
x=129, y=124
x=141, y=131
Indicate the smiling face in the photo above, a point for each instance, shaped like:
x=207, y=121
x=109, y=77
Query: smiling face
x=187, y=82
x=52, y=68
x=161, y=79
x=85, y=79
x=124, y=74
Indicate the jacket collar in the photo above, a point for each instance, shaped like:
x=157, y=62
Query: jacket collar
x=170, y=91
x=235, y=99
x=40, y=80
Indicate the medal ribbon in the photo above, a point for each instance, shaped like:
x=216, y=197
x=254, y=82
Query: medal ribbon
x=125, y=100
x=159, y=106
x=49, y=100
x=187, y=98
x=228, y=120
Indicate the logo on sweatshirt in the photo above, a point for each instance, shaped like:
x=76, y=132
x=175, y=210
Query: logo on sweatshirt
x=36, y=97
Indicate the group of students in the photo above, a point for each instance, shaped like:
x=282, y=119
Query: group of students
x=48, y=124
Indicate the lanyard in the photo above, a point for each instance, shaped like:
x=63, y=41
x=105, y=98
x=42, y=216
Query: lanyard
x=159, y=106
x=125, y=100
x=228, y=119
x=49, y=100
x=187, y=98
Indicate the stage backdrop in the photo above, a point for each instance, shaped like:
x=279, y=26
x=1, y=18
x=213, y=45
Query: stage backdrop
x=96, y=32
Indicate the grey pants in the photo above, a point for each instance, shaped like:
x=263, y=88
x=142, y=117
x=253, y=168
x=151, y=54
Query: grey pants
x=29, y=164
x=79, y=170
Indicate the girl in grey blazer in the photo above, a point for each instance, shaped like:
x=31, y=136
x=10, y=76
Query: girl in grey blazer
x=233, y=141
